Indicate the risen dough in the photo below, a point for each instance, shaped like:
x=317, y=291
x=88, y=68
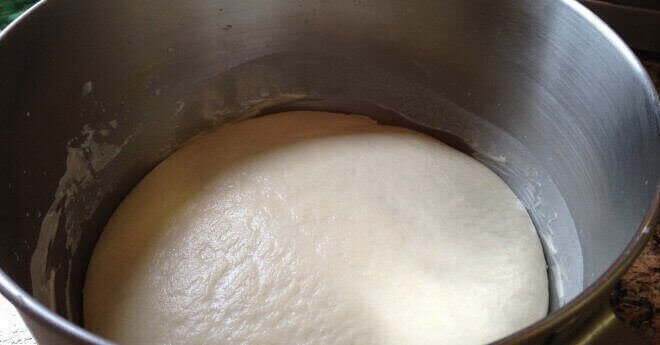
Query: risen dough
x=316, y=228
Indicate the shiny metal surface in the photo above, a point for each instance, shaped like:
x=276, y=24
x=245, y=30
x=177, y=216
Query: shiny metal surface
x=94, y=94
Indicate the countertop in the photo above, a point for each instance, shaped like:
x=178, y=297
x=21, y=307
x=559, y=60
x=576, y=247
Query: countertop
x=12, y=328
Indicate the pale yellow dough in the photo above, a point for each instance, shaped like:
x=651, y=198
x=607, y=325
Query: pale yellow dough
x=316, y=228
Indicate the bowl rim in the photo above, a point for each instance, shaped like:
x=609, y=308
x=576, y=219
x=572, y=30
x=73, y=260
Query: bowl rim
x=46, y=318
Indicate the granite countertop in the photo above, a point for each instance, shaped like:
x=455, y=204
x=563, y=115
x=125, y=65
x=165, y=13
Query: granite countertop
x=636, y=298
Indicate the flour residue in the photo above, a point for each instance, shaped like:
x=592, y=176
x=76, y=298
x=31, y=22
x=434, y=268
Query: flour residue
x=87, y=88
x=82, y=162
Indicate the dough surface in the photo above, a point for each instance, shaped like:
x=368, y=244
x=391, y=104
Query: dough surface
x=316, y=228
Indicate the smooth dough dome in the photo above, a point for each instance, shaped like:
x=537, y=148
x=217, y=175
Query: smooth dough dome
x=316, y=228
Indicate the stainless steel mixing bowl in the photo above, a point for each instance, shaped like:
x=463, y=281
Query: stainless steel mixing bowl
x=93, y=94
